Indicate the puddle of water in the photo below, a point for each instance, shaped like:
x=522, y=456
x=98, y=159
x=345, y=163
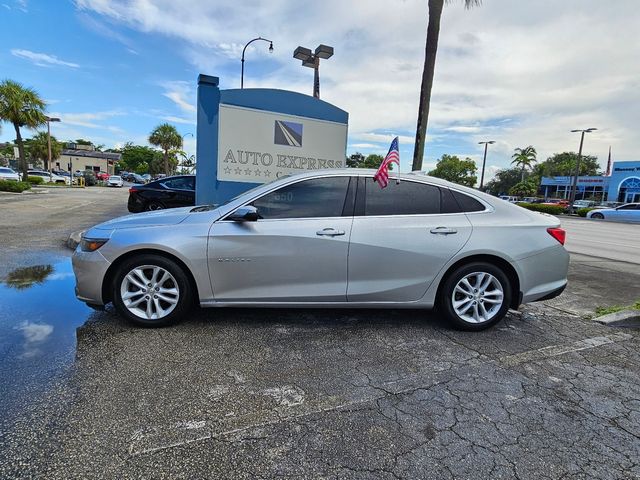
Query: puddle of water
x=39, y=314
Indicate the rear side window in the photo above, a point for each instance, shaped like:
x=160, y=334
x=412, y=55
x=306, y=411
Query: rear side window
x=404, y=198
x=180, y=183
x=467, y=204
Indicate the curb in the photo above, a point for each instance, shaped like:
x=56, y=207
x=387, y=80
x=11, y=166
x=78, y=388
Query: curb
x=623, y=318
x=74, y=239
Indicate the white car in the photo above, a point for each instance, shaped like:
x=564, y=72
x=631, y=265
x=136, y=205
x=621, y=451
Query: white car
x=49, y=177
x=7, y=173
x=115, y=181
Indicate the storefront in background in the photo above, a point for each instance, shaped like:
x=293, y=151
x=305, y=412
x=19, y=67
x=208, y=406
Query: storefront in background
x=623, y=185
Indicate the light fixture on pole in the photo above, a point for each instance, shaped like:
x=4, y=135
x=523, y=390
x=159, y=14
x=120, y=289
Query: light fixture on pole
x=574, y=185
x=484, y=159
x=312, y=60
x=242, y=59
x=49, y=120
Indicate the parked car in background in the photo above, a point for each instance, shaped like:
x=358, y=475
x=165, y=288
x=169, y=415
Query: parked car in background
x=168, y=192
x=332, y=238
x=7, y=173
x=584, y=204
x=115, y=181
x=49, y=177
x=629, y=212
x=509, y=198
x=532, y=200
x=102, y=176
x=135, y=178
x=146, y=177
x=558, y=202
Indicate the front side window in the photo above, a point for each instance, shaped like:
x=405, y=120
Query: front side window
x=318, y=197
x=404, y=198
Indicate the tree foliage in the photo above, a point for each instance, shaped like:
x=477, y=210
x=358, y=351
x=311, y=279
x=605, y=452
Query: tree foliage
x=138, y=158
x=564, y=164
x=358, y=160
x=524, y=158
x=166, y=137
x=503, y=181
x=526, y=188
x=38, y=148
x=22, y=107
x=451, y=168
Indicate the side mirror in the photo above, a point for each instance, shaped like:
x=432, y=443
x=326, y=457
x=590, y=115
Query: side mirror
x=248, y=213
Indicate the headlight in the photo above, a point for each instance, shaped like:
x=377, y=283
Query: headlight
x=92, y=244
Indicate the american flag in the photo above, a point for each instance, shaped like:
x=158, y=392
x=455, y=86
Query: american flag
x=382, y=175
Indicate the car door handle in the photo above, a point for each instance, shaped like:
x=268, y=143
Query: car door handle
x=443, y=231
x=330, y=232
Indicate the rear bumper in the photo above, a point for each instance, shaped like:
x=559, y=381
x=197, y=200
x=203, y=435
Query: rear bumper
x=544, y=275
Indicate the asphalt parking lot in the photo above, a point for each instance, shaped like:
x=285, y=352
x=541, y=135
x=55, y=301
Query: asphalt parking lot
x=232, y=393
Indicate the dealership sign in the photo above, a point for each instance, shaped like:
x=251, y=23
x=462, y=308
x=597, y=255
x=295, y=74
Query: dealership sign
x=257, y=146
x=252, y=136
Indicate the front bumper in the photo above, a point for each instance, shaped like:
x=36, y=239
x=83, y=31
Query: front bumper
x=90, y=269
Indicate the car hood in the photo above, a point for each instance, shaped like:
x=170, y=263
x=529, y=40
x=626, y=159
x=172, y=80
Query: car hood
x=171, y=216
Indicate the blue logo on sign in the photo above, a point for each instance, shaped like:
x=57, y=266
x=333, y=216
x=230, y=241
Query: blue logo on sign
x=287, y=133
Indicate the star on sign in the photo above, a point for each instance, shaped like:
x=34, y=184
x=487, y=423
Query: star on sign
x=256, y=172
x=247, y=171
x=227, y=170
x=267, y=173
x=238, y=171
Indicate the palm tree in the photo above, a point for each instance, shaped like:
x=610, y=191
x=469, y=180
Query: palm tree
x=22, y=107
x=167, y=138
x=431, y=48
x=524, y=158
x=39, y=148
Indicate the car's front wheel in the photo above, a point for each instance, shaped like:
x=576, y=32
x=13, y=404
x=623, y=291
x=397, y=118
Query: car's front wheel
x=475, y=296
x=151, y=291
x=597, y=215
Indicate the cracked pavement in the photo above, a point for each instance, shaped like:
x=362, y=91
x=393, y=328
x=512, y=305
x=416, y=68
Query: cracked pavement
x=335, y=394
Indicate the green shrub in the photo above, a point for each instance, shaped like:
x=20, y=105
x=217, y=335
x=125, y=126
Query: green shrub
x=582, y=212
x=538, y=207
x=35, y=180
x=13, y=186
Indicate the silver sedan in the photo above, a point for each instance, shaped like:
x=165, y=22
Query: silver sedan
x=329, y=238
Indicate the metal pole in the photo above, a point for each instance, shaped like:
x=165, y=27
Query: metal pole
x=574, y=187
x=316, y=77
x=242, y=59
x=49, y=143
x=484, y=160
x=242, y=71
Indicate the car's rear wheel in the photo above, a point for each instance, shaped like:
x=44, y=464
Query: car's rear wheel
x=151, y=291
x=597, y=215
x=475, y=296
x=151, y=206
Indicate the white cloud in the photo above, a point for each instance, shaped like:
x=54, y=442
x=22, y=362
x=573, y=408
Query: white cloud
x=41, y=59
x=35, y=334
x=520, y=72
x=87, y=119
x=174, y=119
x=182, y=94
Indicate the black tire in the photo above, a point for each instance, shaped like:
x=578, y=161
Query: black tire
x=446, y=299
x=597, y=215
x=180, y=279
x=153, y=206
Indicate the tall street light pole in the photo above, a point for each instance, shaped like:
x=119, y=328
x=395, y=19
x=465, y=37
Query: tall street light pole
x=312, y=60
x=49, y=120
x=242, y=59
x=574, y=186
x=484, y=159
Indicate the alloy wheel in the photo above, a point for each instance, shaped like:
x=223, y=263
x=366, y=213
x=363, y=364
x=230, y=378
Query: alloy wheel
x=477, y=297
x=149, y=292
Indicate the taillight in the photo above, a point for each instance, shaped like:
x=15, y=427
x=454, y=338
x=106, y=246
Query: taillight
x=133, y=190
x=558, y=233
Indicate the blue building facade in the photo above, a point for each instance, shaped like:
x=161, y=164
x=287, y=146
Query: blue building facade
x=623, y=185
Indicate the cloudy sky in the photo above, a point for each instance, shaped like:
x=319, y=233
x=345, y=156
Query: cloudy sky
x=520, y=73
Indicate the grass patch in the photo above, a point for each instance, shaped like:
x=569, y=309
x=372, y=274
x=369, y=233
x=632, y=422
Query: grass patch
x=600, y=311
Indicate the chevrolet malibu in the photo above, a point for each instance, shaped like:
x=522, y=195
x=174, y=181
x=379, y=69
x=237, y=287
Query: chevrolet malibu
x=329, y=238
